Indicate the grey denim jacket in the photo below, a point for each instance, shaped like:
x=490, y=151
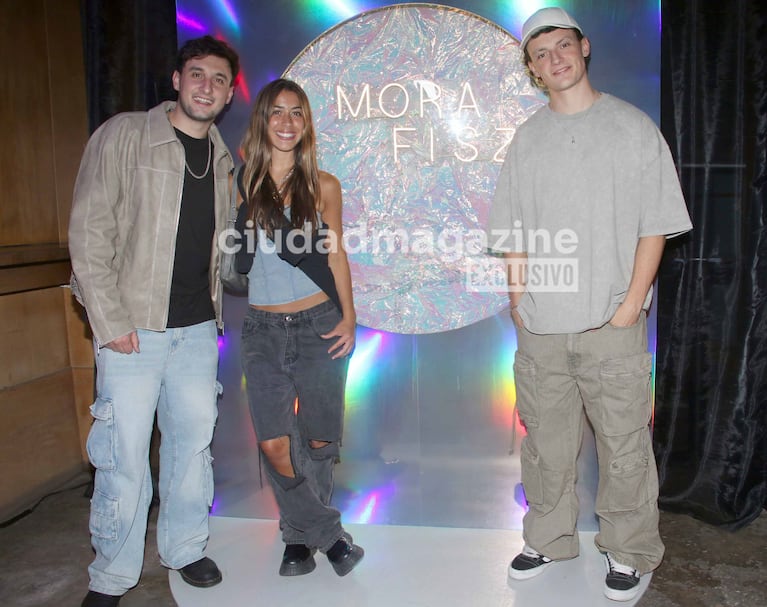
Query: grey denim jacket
x=125, y=212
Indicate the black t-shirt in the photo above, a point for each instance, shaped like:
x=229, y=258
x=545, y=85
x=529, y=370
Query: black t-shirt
x=190, y=301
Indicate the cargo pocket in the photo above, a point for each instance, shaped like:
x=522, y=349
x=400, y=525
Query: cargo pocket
x=532, y=481
x=101, y=444
x=631, y=480
x=525, y=376
x=104, y=522
x=625, y=394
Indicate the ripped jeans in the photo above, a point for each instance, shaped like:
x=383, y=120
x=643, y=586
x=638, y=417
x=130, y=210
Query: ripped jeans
x=606, y=373
x=284, y=359
x=174, y=375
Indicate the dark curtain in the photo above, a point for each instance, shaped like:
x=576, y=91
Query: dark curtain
x=130, y=54
x=710, y=430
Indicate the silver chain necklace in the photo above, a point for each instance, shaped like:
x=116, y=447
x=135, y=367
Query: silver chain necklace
x=207, y=166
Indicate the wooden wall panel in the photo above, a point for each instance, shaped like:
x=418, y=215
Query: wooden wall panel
x=34, y=344
x=82, y=362
x=68, y=100
x=36, y=276
x=28, y=212
x=39, y=447
x=46, y=375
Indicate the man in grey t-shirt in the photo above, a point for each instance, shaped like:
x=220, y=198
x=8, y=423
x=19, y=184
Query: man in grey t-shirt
x=584, y=203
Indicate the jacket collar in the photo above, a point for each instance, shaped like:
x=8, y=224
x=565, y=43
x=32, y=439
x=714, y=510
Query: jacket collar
x=161, y=130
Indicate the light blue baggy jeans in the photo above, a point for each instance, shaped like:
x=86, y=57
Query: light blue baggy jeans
x=174, y=375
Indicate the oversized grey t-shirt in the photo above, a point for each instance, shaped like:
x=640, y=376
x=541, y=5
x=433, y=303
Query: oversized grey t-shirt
x=576, y=192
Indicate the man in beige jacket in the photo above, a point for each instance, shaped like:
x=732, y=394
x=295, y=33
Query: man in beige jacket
x=150, y=201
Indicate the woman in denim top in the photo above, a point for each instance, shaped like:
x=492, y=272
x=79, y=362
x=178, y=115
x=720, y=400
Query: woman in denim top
x=297, y=337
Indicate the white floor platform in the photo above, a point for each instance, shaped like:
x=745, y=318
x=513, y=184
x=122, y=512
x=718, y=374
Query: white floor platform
x=403, y=567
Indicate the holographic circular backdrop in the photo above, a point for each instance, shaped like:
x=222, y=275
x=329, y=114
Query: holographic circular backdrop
x=414, y=106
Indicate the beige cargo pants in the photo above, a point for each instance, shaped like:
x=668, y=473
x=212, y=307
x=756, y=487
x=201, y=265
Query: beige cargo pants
x=606, y=373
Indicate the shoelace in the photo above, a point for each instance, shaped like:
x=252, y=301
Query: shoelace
x=526, y=550
x=619, y=568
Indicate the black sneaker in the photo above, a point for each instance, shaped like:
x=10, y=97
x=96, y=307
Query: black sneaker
x=201, y=574
x=344, y=555
x=297, y=560
x=621, y=582
x=98, y=599
x=527, y=564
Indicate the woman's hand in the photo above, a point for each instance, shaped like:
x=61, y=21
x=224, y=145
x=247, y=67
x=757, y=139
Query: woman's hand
x=345, y=331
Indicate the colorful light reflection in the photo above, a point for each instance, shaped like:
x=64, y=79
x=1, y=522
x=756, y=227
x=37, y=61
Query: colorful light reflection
x=368, y=507
x=188, y=22
x=514, y=12
x=361, y=375
x=333, y=10
x=367, y=511
x=226, y=10
x=504, y=393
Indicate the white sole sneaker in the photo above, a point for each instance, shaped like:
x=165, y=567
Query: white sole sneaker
x=526, y=574
x=621, y=595
x=620, y=575
x=529, y=563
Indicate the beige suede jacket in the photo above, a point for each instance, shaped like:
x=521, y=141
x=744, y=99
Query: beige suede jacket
x=122, y=230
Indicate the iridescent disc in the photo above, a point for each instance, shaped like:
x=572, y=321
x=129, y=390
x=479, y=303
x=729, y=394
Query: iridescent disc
x=414, y=106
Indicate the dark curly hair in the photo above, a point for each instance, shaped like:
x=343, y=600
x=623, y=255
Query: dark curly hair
x=205, y=46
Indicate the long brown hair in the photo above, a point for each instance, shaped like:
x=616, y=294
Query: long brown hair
x=265, y=205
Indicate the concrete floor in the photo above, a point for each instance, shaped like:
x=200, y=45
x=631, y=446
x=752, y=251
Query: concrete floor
x=44, y=557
